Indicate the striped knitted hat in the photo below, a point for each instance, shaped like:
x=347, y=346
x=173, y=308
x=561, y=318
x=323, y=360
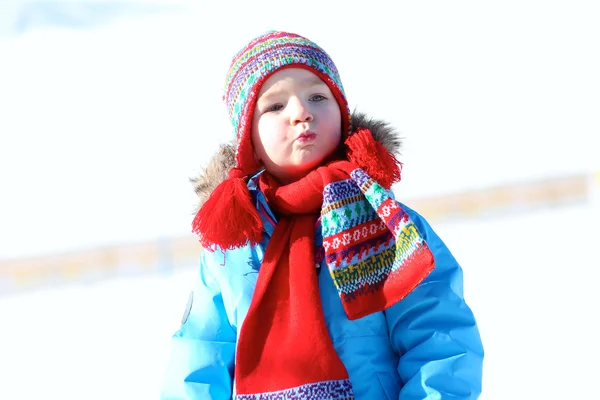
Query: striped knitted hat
x=230, y=204
x=252, y=66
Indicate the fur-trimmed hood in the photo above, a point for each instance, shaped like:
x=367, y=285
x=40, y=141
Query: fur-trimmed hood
x=224, y=159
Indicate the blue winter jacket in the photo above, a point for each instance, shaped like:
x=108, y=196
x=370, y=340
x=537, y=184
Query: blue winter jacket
x=427, y=346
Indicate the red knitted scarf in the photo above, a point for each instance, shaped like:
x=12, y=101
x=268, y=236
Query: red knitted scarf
x=284, y=345
x=374, y=253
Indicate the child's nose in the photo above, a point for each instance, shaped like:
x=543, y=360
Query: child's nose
x=299, y=112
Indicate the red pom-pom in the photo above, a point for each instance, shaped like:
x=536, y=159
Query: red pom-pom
x=374, y=158
x=228, y=218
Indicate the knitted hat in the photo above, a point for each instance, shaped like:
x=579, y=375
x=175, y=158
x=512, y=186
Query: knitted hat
x=229, y=219
x=253, y=65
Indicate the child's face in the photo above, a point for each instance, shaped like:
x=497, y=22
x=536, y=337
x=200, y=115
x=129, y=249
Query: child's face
x=296, y=124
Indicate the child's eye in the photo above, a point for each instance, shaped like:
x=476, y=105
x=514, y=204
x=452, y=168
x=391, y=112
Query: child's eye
x=274, y=107
x=317, y=98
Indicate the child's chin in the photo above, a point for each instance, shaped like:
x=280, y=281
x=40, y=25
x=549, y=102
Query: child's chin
x=311, y=160
x=310, y=164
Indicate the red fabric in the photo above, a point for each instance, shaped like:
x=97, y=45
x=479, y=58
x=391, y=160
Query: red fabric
x=229, y=219
x=229, y=206
x=284, y=341
x=373, y=158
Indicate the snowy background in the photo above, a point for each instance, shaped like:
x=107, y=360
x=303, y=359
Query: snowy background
x=106, y=109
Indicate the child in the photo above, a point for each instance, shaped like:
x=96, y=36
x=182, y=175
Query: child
x=315, y=282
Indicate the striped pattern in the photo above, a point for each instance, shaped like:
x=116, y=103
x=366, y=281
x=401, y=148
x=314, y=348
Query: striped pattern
x=369, y=243
x=327, y=390
x=260, y=58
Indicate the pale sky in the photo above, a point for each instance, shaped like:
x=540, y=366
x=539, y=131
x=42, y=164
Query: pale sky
x=100, y=128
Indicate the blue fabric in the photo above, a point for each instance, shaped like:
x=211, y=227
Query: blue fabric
x=427, y=346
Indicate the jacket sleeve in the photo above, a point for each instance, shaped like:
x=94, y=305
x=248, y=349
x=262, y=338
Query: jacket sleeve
x=203, y=349
x=435, y=332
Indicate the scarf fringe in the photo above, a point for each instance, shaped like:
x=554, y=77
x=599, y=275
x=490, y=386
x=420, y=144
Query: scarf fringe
x=228, y=218
x=371, y=156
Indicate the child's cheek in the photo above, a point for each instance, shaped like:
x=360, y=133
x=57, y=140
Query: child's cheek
x=272, y=132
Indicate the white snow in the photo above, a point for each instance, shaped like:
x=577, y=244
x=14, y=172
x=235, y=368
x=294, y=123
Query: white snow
x=101, y=128
x=528, y=279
